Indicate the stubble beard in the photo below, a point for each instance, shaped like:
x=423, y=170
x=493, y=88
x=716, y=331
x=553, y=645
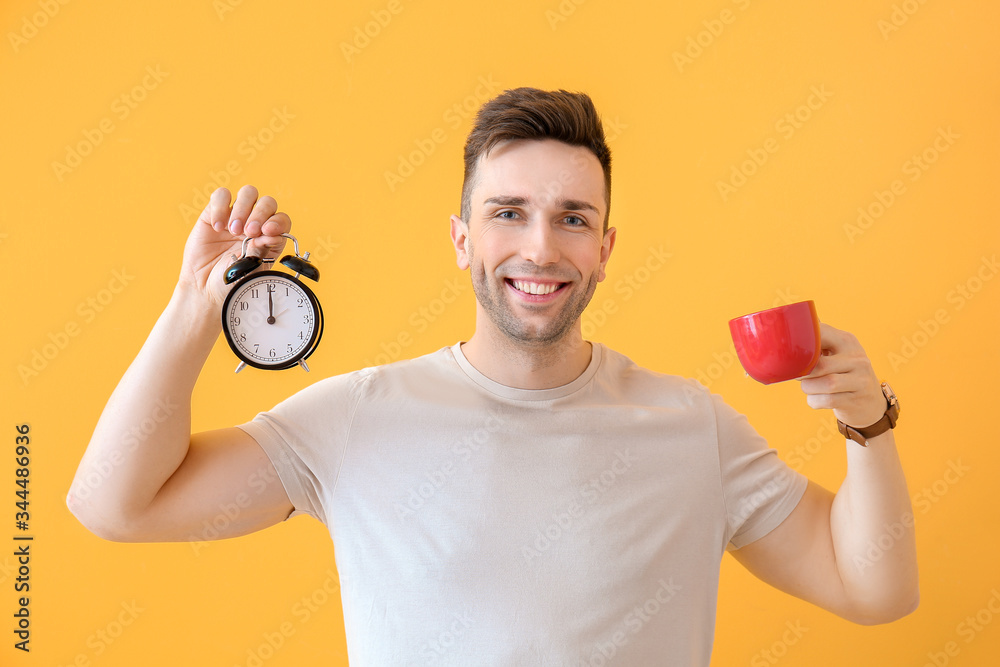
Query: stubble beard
x=494, y=300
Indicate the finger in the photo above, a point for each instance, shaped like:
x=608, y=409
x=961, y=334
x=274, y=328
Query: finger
x=835, y=340
x=218, y=209
x=838, y=352
x=830, y=364
x=262, y=212
x=276, y=225
x=245, y=202
x=820, y=401
x=271, y=242
x=833, y=383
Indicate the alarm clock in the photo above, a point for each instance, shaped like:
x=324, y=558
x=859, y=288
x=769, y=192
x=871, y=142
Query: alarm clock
x=271, y=319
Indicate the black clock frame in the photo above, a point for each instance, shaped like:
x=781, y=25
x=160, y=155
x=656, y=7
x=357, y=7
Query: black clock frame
x=314, y=340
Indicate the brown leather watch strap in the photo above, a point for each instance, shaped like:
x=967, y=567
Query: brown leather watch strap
x=888, y=421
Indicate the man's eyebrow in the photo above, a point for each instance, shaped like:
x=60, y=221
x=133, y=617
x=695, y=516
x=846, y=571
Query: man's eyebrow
x=505, y=200
x=566, y=204
x=578, y=205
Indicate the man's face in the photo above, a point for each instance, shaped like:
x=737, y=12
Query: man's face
x=534, y=242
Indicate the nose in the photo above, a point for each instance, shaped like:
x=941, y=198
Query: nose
x=539, y=244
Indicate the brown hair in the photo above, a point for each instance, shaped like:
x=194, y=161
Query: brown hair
x=530, y=113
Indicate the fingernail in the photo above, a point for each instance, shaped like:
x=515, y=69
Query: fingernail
x=232, y=225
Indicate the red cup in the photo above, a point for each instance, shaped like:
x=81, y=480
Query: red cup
x=778, y=344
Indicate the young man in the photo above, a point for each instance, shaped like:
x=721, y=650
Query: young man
x=535, y=497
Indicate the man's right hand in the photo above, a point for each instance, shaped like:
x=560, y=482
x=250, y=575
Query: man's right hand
x=218, y=235
x=166, y=483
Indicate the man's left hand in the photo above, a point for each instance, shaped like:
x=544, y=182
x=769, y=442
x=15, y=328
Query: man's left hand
x=844, y=381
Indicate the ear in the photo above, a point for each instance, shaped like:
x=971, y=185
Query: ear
x=460, y=239
x=607, y=245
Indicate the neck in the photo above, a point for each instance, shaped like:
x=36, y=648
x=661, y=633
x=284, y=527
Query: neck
x=528, y=366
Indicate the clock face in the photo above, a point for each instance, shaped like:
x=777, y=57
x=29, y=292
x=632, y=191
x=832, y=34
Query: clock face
x=271, y=320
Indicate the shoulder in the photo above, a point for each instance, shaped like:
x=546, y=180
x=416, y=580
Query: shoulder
x=372, y=382
x=641, y=384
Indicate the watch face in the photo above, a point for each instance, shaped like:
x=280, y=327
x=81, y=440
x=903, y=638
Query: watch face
x=271, y=320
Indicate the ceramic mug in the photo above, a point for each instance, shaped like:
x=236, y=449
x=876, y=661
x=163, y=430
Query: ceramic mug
x=778, y=344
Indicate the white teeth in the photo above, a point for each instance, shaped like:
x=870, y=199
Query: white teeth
x=535, y=288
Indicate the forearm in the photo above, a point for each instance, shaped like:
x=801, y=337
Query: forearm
x=872, y=528
x=144, y=432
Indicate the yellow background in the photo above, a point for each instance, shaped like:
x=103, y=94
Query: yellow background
x=894, y=77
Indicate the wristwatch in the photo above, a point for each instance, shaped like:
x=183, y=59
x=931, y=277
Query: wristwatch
x=888, y=421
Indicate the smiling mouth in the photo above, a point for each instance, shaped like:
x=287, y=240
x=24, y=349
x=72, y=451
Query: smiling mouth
x=536, y=289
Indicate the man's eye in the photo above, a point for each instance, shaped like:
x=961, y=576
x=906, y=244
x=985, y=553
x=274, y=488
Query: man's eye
x=507, y=214
x=576, y=221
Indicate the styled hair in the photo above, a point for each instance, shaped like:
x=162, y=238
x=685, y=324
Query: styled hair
x=530, y=113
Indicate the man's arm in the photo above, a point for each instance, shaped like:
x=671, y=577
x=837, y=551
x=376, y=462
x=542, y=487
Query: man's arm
x=823, y=551
x=144, y=476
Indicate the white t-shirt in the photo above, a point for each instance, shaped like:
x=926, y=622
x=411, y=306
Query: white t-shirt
x=479, y=524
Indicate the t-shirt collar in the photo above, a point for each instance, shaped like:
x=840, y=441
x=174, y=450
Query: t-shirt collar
x=514, y=393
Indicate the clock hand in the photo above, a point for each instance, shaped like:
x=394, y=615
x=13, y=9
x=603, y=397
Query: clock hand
x=270, y=308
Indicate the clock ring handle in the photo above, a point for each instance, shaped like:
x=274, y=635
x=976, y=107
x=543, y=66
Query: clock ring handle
x=243, y=264
x=246, y=242
x=295, y=244
x=300, y=264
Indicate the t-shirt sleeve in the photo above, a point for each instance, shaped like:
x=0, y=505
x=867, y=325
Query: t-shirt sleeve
x=306, y=436
x=759, y=489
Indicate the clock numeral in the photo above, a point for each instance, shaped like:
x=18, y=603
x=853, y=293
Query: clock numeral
x=244, y=305
x=305, y=319
x=236, y=321
x=301, y=302
x=290, y=347
x=243, y=338
x=254, y=293
x=272, y=352
x=301, y=337
x=256, y=347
